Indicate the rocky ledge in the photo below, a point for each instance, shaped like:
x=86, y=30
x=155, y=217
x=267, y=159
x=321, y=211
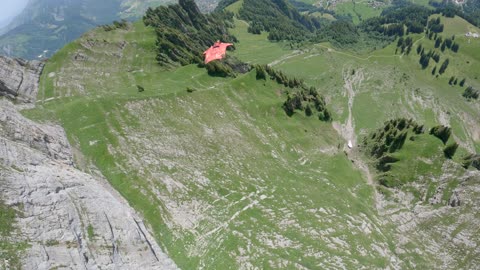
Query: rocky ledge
x=19, y=78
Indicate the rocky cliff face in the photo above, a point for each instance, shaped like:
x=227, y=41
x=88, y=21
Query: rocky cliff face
x=67, y=218
x=19, y=78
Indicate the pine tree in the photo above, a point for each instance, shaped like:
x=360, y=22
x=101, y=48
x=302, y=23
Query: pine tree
x=451, y=80
x=455, y=47
x=444, y=66
x=438, y=42
x=450, y=150
x=419, y=48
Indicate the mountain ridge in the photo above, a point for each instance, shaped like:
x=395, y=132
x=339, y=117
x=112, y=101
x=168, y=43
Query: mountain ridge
x=45, y=26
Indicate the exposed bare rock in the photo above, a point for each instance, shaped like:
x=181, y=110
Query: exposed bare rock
x=454, y=201
x=19, y=78
x=446, y=228
x=70, y=219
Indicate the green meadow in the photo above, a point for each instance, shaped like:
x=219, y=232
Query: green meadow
x=223, y=177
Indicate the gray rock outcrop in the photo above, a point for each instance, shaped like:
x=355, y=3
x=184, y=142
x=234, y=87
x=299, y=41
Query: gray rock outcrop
x=19, y=78
x=70, y=219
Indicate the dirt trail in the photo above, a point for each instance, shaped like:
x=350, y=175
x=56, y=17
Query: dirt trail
x=353, y=80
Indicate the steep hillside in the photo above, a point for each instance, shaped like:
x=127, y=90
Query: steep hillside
x=225, y=177
x=52, y=214
x=47, y=25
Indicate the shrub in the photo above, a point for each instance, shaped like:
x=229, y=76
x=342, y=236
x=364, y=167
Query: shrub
x=218, y=69
x=441, y=132
x=471, y=93
x=450, y=150
x=471, y=160
x=444, y=66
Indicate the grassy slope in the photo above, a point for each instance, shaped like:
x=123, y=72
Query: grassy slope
x=222, y=176
x=358, y=10
x=396, y=86
x=10, y=249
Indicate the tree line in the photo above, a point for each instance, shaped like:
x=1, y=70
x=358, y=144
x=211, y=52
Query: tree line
x=183, y=32
x=300, y=97
x=279, y=18
x=391, y=137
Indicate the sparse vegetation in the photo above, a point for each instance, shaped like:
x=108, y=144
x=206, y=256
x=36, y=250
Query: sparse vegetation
x=10, y=248
x=471, y=93
x=123, y=24
x=90, y=232
x=304, y=100
x=300, y=97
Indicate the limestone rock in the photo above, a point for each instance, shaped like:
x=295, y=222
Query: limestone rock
x=70, y=219
x=19, y=78
x=454, y=200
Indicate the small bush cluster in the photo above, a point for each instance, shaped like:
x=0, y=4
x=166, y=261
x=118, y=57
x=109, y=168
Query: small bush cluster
x=309, y=101
x=219, y=69
x=263, y=70
x=471, y=160
x=405, y=45
x=441, y=132
x=387, y=140
x=426, y=56
x=434, y=25
x=391, y=137
x=450, y=149
x=471, y=93
x=301, y=98
x=226, y=67
x=123, y=24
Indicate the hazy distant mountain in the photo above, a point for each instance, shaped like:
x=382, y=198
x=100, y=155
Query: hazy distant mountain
x=44, y=26
x=4, y=22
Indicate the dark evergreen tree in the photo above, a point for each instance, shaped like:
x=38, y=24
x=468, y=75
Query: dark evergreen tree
x=451, y=80
x=419, y=48
x=471, y=93
x=450, y=150
x=441, y=132
x=424, y=60
x=455, y=47
x=448, y=43
x=438, y=42
x=444, y=66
